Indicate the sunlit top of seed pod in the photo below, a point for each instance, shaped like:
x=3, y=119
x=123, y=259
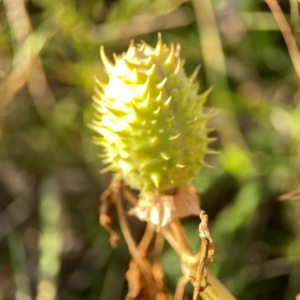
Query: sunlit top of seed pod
x=150, y=117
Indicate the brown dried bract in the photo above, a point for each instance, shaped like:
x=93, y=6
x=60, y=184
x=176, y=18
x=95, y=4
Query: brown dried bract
x=160, y=210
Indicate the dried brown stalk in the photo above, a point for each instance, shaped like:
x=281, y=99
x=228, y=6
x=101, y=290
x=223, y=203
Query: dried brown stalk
x=146, y=279
x=27, y=63
x=286, y=33
x=206, y=252
x=291, y=196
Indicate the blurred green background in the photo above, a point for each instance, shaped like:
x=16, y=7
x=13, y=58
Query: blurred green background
x=51, y=243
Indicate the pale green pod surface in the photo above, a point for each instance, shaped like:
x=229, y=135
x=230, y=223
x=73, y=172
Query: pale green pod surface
x=151, y=118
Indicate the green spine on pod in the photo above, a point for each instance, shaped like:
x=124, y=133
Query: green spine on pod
x=151, y=118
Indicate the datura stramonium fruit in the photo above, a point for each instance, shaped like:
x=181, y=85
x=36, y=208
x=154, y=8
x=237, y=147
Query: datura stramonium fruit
x=150, y=115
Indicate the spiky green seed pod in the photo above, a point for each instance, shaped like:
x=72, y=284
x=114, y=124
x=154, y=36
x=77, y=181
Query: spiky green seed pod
x=151, y=118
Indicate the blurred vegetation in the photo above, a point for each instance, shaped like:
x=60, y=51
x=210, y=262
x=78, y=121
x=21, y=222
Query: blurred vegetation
x=51, y=244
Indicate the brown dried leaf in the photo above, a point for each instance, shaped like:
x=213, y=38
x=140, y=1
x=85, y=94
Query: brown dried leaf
x=186, y=202
x=137, y=285
x=206, y=253
x=108, y=198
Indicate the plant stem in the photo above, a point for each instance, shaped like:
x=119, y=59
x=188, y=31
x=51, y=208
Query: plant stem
x=286, y=33
x=141, y=262
x=175, y=236
x=177, y=239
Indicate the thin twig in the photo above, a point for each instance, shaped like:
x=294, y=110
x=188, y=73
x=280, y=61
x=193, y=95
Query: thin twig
x=286, y=33
x=28, y=67
x=181, y=284
x=146, y=240
x=291, y=196
x=180, y=235
x=128, y=195
x=158, y=272
x=141, y=262
x=166, y=231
